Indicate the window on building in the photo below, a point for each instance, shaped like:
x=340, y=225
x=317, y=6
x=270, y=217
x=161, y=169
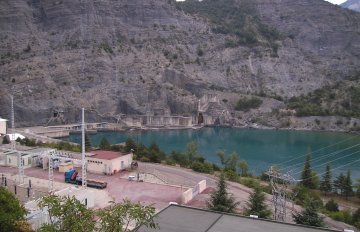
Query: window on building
x=29, y=160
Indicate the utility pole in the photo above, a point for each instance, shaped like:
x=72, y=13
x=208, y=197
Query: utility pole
x=13, y=144
x=83, y=156
x=280, y=196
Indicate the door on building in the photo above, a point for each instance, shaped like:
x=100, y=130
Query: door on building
x=122, y=165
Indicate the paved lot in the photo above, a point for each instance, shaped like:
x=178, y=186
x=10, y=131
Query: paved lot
x=118, y=188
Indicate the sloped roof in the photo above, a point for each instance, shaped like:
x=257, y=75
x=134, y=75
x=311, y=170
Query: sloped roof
x=177, y=218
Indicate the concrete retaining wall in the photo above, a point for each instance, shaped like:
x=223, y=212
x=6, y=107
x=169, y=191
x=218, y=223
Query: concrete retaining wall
x=189, y=194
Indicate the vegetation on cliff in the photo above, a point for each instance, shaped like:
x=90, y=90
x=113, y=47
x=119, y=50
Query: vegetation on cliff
x=341, y=99
x=238, y=19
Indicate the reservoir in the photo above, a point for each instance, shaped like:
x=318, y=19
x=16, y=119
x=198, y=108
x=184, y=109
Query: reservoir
x=260, y=148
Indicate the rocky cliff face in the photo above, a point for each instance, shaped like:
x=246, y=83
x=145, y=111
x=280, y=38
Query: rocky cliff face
x=117, y=57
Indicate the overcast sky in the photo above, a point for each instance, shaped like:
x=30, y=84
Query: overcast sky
x=336, y=1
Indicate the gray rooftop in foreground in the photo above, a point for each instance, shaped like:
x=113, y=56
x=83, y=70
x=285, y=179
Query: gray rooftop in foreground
x=176, y=218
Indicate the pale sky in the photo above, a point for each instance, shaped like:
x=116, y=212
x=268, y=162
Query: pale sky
x=336, y=1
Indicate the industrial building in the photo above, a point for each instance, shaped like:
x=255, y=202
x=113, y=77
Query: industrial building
x=108, y=162
x=3, y=127
x=30, y=158
x=175, y=218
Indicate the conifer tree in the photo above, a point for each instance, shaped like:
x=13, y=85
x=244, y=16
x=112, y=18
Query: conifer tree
x=309, y=216
x=256, y=205
x=87, y=143
x=104, y=144
x=325, y=184
x=221, y=200
x=306, y=175
x=339, y=184
x=348, y=190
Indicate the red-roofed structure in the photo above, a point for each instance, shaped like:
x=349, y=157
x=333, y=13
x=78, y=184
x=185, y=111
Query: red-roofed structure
x=108, y=162
x=106, y=155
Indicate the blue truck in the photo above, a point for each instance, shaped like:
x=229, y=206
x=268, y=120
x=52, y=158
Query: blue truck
x=72, y=177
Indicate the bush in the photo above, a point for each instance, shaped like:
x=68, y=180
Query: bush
x=232, y=175
x=202, y=167
x=245, y=104
x=250, y=182
x=332, y=206
x=302, y=193
x=343, y=216
x=6, y=140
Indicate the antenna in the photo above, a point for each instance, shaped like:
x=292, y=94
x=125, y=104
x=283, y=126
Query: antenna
x=83, y=157
x=12, y=125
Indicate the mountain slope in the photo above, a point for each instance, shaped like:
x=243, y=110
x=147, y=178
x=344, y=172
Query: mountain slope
x=352, y=5
x=117, y=57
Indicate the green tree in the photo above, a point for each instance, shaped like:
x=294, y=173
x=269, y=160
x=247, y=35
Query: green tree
x=228, y=162
x=244, y=168
x=339, y=184
x=118, y=217
x=358, y=188
x=256, y=205
x=306, y=174
x=325, y=184
x=87, y=143
x=67, y=214
x=192, y=151
x=309, y=216
x=130, y=145
x=221, y=200
x=104, y=144
x=12, y=213
x=348, y=188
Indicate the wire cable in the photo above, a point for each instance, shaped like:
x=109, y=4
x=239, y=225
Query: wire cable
x=352, y=162
x=298, y=157
x=319, y=157
x=342, y=157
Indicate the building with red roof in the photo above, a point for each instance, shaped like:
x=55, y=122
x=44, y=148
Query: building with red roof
x=108, y=162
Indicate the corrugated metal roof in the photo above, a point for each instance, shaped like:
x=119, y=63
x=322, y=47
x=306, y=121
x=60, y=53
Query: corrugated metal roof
x=105, y=155
x=177, y=218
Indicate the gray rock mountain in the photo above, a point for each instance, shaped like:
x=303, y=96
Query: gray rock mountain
x=352, y=5
x=117, y=57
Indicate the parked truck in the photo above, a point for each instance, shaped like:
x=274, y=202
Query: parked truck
x=71, y=176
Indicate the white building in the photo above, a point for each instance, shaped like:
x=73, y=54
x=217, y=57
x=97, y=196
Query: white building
x=108, y=162
x=3, y=126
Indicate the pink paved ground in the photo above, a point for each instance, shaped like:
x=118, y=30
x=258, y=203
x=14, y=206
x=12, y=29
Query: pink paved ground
x=118, y=188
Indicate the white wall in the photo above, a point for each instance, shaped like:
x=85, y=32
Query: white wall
x=2, y=126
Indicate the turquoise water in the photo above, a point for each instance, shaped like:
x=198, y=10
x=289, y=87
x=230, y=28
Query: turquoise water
x=260, y=148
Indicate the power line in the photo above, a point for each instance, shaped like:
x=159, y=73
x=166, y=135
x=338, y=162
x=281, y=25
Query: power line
x=332, y=161
x=298, y=157
x=352, y=162
x=320, y=157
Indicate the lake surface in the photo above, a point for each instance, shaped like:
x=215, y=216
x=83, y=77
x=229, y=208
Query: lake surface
x=260, y=148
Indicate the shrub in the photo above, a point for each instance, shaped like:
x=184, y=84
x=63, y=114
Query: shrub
x=246, y=104
x=231, y=175
x=332, y=206
x=343, y=216
x=202, y=167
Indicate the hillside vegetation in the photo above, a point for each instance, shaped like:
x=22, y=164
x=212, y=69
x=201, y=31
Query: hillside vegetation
x=340, y=99
x=238, y=19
